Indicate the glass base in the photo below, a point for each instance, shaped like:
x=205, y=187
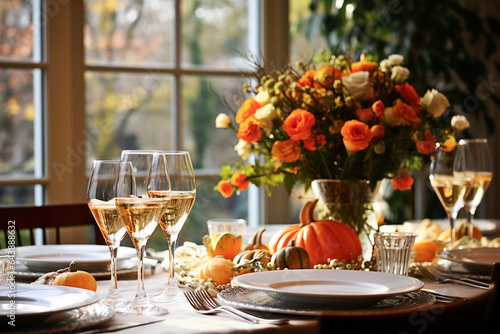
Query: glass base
x=171, y=294
x=142, y=306
x=115, y=301
x=466, y=242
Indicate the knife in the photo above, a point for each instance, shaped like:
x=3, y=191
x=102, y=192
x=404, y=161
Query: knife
x=117, y=327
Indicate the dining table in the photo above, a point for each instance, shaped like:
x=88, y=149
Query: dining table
x=182, y=317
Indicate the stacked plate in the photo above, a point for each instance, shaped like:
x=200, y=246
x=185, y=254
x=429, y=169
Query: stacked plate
x=312, y=291
x=477, y=262
x=32, y=308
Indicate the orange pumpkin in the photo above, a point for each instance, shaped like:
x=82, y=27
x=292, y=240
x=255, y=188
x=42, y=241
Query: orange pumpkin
x=426, y=249
x=321, y=239
x=76, y=279
x=224, y=244
x=218, y=269
x=256, y=241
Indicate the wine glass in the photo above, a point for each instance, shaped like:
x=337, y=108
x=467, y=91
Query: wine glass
x=449, y=189
x=180, y=201
x=101, y=193
x=473, y=161
x=141, y=215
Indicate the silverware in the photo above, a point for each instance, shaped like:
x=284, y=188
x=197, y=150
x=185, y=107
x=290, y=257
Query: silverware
x=442, y=298
x=117, y=327
x=440, y=279
x=203, y=303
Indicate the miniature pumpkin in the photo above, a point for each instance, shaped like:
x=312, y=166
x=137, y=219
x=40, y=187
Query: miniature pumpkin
x=321, y=239
x=291, y=257
x=426, y=249
x=460, y=232
x=261, y=255
x=224, y=244
x=76, y=278
x=256, y=241
x=218, y=269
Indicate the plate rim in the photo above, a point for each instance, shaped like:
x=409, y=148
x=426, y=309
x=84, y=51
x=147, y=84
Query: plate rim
x=418, y=284
x=93, y=297
x=444, y=255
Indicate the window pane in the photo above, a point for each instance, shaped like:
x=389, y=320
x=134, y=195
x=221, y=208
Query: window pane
x=16, y=30
x=17, y=195
x=127, y=111
x=16, y=123
x=215, y=34
x=129, y=32
x=203, y=99
x=302, y=46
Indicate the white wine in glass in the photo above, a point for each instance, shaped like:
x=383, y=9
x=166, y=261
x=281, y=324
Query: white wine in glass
x=101, y=192
x=181, y=198
x=473, y=161
x=449, y=189
x=141, y=215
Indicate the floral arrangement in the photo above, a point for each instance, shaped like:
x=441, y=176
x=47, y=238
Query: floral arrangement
x=335, y=119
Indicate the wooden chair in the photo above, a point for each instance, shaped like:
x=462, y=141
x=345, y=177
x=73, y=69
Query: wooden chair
x=48, y=218
x=479, y=314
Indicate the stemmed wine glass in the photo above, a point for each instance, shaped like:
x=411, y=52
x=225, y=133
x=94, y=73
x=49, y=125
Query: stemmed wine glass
x=449, y=189
x=473, y=161
x=181, y=198
x=101, y=193
x=140, y=214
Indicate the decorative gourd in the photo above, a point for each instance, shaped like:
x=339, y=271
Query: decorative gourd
x=218, y=269
x=261, y=255
x=321, y=239
x=224, y=244
x=291, y=257
x=426, y=249
x=256, y=241
x=76, y=278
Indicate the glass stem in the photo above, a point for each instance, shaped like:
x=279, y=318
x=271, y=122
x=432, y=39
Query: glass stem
x=171, y=264
x=470, y=225
x=141, y=291
x=453, y=237
x=114, y=269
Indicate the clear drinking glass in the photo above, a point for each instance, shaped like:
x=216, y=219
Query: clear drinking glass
x=180, y=200
x=449, y=189
x=394, y=251
x=473, y=161
x=141, y=215
x=101, y=193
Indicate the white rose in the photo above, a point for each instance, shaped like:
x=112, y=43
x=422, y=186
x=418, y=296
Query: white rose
x=399, y=74
x=358, y=85
x=390, y=118
x=396, y=59
x=222, y=121
x=262, y=97
x=460, y=122
x=385, y=65
x=266, y=115
x=435, y=102
x=244, y=149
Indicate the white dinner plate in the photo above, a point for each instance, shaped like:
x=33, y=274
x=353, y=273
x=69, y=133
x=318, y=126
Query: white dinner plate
x=46, y=258
x=479, y=260
x=41, y=299
x=333, y=287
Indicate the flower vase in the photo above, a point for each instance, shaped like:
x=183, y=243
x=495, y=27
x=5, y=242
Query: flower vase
x=352, y=203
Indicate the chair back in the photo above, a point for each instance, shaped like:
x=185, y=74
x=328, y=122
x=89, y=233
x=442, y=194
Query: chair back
x=22, y=221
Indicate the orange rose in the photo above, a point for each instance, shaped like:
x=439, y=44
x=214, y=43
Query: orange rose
x=240, y=181
x=249, y=130
x=357, y=135
x=225, y=188
x=247, y=109
x=402, y=182
x=378, y=108
x=449, y=144
x=298, y=124
x=286, y=151
x=426, y=145
x=325, y=77
x=406, y=114
x=408, y=93
x=377, y=131
x=364, y=65
x=306, y=80
x=314, y=143
x=365, y=115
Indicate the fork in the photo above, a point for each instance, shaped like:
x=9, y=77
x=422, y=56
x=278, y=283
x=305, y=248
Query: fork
x=439, y=279
x=204, y=303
